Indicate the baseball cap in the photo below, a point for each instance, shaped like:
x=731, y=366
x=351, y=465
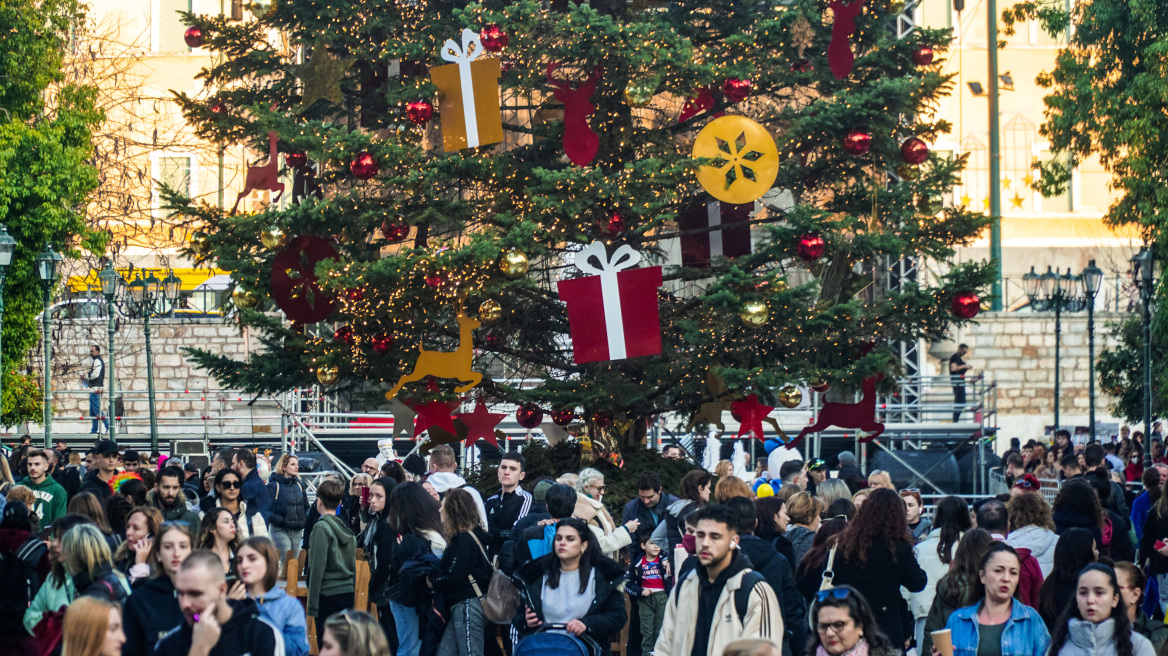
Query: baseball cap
x=816, y=463
x=541, y=488
x=105, y=448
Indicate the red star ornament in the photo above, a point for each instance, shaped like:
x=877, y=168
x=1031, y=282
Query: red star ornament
x=433, y=414
x=752, y=413
x=480, y=424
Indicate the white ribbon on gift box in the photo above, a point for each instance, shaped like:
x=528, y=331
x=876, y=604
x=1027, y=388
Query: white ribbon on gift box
x=470, y=51
x=624, y=258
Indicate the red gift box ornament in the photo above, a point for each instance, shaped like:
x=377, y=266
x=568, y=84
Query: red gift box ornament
x=729, y=238
x=612, y=313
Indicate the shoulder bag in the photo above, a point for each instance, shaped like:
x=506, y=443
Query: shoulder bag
x=502, y=599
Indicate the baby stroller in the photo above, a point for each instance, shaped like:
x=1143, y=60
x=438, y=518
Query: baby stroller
x=555, y=639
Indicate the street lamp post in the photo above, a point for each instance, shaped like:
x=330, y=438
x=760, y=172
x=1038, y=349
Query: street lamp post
x=1092, y=277
x=110, y=283
x=7, y=249
x=146, y=295
x=1051, y=291
x=48, y=265
x=1143, y=274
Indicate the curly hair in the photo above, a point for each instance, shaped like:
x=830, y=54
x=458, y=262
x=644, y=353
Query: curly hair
x=1077, y=496
x=459, y=513
x=881, y=517
x=1029, y=510
x=1123, y=627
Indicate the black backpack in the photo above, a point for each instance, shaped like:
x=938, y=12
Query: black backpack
x=742, y=594
x=19, y=582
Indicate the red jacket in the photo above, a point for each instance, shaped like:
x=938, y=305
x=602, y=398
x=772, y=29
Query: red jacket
x=1029, y=578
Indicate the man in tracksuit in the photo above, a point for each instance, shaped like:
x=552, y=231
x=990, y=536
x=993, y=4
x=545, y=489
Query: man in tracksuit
x=510, y=505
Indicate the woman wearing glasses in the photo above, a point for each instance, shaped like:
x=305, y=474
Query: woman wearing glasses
x=228, y=485
x=589, y=494
x=997, y=624
x=844, y=624
x=152, y=610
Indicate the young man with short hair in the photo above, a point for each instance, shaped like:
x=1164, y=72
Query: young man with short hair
x=673, y=452
x=792, y=473
x=254, y=492
x=332, y=557
x=51, y=498
x=511, y=504
x=215, y=625
x=707, y=611
x=649, y=508
x=172, y=501
x=105, y=465
x=94, y=379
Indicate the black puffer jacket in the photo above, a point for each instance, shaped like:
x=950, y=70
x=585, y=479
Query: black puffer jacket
x=151, y=612
x=777, y=571
x=605, y=617
x=289, y=509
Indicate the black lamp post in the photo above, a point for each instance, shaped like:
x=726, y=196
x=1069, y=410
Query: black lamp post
x=111, y=283
x=146, y=296
x=1092, y=277
x=1144, y=274
x=48, y=266
x=1051, y=291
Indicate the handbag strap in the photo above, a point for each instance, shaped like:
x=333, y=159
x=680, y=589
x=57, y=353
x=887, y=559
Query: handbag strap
x=828, y=574
x=473, y=583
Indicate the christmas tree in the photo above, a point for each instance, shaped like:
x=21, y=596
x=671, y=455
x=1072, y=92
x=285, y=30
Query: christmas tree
x=507, y=177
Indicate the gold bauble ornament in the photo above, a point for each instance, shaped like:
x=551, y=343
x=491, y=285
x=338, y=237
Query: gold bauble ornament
x=244, y=299
x=513, y=263
x=639, y=94
x=754, y=314
x=790, y=396
x=273, y=238
x=927, y=205
x=490, y=311
x=895, y=6
x=327, y=374
x=908, y=171
x=199, y=243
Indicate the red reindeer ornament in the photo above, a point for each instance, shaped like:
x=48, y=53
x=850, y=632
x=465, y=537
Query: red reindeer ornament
x=839, y=51
x=266, y=177
x=858, y=416
x=580, y=142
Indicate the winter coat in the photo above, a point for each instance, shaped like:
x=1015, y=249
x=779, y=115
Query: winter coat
x=1024, y=634
x=503, y=510
x=668, y=533
x=1040, y=541
x=443, y=481
x=96, y=487
x=1140, y=509
x=287, y=615
x=1156, y=632
x=151, y=612
x=256, y=494
x=879, y=580
x=923, y=527
x=606, y=615
x=763, y=617
x=1085, y=638
x=930, y=562
x=462, y=560
x=1155, y=528
x=612, y=537
x=649, y=518
x=52, y=597
x=778, y=572
x=107, y=585
x=508, y=561
x=245, y=633
x=289, y=509
x=332, y=561
x=380, y=556
x=180, y=512
x=801, y=538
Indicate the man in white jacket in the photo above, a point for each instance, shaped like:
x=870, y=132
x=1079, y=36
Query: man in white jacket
x=442, y=467
x=721, y=599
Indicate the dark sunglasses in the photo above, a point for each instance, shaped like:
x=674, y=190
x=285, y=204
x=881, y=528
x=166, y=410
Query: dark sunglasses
x=838, y=593
x=230, y=484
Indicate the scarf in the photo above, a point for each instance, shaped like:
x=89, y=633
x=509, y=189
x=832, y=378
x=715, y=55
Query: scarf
x=861, y=649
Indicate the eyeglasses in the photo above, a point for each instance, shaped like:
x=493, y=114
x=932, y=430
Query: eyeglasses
x=838, y=593
x=910, y=490
x=834, y=627
x=230, y=484
x=1024, y=484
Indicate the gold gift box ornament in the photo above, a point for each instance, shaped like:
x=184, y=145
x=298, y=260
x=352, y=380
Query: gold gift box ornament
x=468, y=95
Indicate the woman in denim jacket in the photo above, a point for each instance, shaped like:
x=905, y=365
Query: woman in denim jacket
x=1010, y=627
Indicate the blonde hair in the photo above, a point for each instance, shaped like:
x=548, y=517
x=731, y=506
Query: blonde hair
x=74, y=458
x=357, y=633
x=84, y=549
x=587, y=476
x=802, y=509
x=86, y=623
x=723, y=469
x=882, y=477
x=861, y=494
x=731, y=487
x=283, y=462
x=5, y=472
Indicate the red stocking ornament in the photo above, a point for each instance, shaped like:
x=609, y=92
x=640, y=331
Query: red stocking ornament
x=839, y=51
x=580, y=142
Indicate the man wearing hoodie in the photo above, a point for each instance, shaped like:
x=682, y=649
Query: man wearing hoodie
x=215, y=625
x=702, y=616
x=169, y=498
x=332, y=557
x=442, y=467
x=105, y=465
x=50, y=496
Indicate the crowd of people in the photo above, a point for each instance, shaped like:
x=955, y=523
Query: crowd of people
x=112, y=553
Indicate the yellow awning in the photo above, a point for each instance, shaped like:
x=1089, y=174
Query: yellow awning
x=191, y=278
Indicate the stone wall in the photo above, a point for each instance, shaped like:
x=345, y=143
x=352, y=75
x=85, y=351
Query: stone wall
x=1017, y=351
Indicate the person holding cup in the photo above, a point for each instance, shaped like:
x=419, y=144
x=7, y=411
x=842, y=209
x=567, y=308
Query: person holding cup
x=997, y=624
x=844, y=624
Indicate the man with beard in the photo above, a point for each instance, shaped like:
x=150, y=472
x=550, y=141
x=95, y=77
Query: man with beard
x=721, y=599
x=215, y=625
x=169, y=498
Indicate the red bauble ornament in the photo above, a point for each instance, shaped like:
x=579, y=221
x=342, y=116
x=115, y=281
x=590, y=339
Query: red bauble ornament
x=563, y=416
x=914, y=151
x=382, y=343
x=601, y=418
x=395, y=231
x=857, y=142
x=493, y=38
x=529, y=415
x=345, y=334
x=355, y=294
x=966, y=305
x=218, y=108
x=613, y=225
x=821, y=387
x=436, y=280
x=810, y=247
x=802, y=66
x=419, y=111
x=736, y=89
x=923, y=56
x=296, y=160
x=364, y=166
x=193, y=36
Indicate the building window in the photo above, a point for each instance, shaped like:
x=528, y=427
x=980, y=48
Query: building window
x=175, y=172
x=170, y=26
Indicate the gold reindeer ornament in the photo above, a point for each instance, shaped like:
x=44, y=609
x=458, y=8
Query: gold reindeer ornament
x=451, y=365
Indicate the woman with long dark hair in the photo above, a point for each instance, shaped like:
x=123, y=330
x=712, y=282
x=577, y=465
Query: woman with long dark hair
x=809, y=575
x=1077, y=506
x=1096, y=623
x=1075, y=550
x=772, y=525
x=843, y=623
x=218, y=532
x=957, y=588
x=416, y=521
x=1117, y=543
x=575, y=585
x=379, y=541
x=875, y=556
x=464, y=575
x=950, y=521
x=997, y=623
